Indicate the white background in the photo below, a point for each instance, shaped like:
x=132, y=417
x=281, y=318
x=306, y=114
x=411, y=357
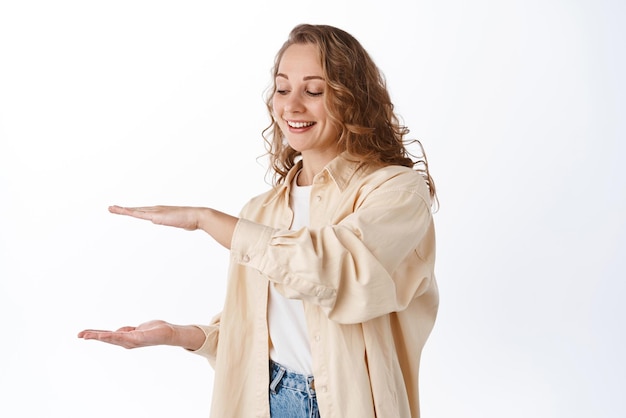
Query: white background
x=519, y=104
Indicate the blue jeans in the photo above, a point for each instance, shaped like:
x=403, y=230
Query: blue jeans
x=292, y=395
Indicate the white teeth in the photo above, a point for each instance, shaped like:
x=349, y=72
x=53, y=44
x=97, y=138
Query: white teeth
x=299, y=124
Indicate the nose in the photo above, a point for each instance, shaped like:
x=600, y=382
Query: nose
x=293, y=104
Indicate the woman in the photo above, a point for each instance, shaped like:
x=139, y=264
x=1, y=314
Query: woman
x=332, y=271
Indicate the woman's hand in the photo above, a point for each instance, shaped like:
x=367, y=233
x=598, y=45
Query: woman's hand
x=150, y=333
x=184, y=217
x=217, y=224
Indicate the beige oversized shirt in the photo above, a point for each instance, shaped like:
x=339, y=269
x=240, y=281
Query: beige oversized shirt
x=364, y=272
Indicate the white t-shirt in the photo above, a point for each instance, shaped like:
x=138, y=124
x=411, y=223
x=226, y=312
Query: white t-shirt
x=287, y=326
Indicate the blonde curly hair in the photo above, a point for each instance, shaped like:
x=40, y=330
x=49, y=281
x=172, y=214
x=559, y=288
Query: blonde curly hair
x=357, y=102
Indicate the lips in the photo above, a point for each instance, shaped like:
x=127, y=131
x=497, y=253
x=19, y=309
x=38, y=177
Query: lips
x=299, y=125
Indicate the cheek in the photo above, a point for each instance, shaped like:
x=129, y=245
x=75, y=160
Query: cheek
x=276, y=106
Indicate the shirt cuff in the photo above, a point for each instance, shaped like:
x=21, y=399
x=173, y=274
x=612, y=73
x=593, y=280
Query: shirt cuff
x=250, y=241
x=208, y=349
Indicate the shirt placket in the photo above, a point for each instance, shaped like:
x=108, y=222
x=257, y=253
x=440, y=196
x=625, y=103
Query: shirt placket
x=319, y=217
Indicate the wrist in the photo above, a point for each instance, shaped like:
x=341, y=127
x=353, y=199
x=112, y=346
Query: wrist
x=217, y=224
x=204, y=219
x=189, y=337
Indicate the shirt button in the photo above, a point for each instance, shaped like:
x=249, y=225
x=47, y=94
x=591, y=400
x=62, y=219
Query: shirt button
x=317, y=338
x=323, y=389
x=322, y=179
x=318, y=198
x=245, y=258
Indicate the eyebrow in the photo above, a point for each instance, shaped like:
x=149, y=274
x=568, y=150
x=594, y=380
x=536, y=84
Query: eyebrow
x=309, y=77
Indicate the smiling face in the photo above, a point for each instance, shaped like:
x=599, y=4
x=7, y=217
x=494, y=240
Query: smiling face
x=298, y=103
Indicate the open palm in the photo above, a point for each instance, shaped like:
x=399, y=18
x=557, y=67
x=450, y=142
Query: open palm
x=147, y=334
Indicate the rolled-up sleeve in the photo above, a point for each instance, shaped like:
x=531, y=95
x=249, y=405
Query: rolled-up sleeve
x=367, y=263
x=211, y=333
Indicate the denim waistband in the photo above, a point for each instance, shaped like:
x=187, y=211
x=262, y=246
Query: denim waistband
x=282, y=377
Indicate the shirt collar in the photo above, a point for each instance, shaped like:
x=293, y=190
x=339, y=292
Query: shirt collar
x=340, y=169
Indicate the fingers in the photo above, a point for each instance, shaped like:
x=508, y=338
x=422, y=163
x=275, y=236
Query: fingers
x=146, y=213
x=125, y=210
x=117, y=209
x=87, y=332
x=94, y=334
x=124, y=339
x=91, y=334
